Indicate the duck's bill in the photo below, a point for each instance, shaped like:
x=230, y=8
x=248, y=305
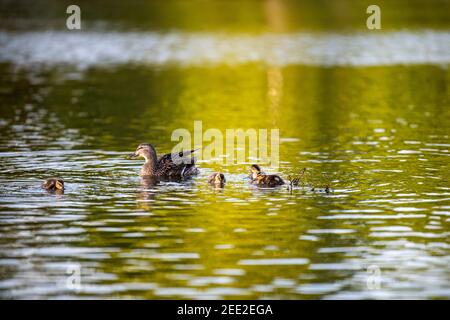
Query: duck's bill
x=132, y=156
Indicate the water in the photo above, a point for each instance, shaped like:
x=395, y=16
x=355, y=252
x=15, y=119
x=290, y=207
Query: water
x=375, y=127
x=86, y=49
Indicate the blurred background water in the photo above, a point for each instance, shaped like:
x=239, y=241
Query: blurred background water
x=365, y=111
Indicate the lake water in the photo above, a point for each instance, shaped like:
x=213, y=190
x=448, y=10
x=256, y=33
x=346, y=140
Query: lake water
x=367, y=114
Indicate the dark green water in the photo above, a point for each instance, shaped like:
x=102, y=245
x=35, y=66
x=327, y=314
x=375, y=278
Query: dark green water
x=377, y=132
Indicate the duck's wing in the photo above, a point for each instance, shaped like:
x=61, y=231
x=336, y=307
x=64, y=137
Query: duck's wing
x=177, y=158
x=274, y=180
x=48, y=184
x=177, y=164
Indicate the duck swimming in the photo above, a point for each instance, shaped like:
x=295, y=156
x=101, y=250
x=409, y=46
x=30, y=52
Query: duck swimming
x=178, y=165
x=264, y=180
x=217, y=179
x=53, y=184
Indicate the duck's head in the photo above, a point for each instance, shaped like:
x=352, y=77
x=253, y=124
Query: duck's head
x=255, y=170
x=144, y=150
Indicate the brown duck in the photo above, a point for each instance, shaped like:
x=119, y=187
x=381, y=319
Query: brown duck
x=178, y=165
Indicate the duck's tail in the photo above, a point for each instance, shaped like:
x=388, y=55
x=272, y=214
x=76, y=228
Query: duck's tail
x=189, y=169
x=182, y=154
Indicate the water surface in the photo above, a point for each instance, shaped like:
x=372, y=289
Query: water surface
x=379, y=135
x=374, y=124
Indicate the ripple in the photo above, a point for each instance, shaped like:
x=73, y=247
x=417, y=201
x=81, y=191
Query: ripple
x=175, y=256
x=331, y=231
x=274, y=262
x=371, y=217
x=318, y=288
x=336, y=266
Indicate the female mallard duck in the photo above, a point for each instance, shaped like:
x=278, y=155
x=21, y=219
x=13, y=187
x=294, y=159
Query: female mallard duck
x=217, y=179
x=53, y=184
x=176, y=165
x=264, y=180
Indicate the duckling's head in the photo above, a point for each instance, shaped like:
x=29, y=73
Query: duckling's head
x=219, y=178
x=255, y=170
x=53, y=184
x=144, y=150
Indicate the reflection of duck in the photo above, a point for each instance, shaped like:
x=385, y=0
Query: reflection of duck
x=217, y=179
x=53, y=184
x=173, y=165
x=147, y=193
x=264, y=180
x=149, y=182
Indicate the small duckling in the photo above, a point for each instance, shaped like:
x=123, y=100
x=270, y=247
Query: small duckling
x=217, y=179
x=325, y=189
x=264, y=180
x=53, y=184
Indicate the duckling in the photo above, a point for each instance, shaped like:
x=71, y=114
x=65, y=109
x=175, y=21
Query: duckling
x=53, y=184
x=217, y=179
x=172, y=165
x=264, y=180
x=325, y=189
